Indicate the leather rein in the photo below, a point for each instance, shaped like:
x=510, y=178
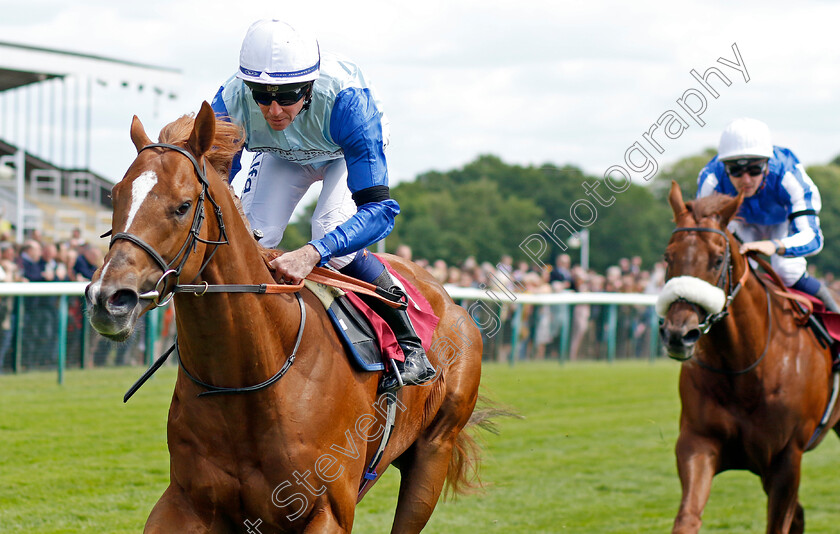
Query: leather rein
x=164, y=291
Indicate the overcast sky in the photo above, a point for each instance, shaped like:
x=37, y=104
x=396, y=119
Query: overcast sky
x=532, y=82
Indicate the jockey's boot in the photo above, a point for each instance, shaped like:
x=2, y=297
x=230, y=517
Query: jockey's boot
x=824, y=294
x=416, y=369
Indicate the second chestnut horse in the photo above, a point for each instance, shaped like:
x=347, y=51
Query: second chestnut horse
x=754, y=384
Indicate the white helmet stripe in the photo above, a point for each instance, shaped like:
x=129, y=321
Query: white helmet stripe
x=303, y=72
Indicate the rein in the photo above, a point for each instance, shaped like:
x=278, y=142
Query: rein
x=755, y=363
x=160, y=297
x=218, y=390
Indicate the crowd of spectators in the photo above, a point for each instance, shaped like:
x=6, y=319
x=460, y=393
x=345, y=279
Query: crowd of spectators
x=39, y=259
x=540, y=326
x=539, y=333
x=42, y=260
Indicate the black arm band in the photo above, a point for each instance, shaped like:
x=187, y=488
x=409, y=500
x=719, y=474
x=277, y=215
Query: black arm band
x=377, y=193
x=796, y=214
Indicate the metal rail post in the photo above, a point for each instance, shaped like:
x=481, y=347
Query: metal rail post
x=612, y=322
x=517, y=325
x=62, y=337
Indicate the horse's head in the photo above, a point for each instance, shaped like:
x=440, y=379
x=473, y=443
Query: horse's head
x=701, y=260
x=158, y=233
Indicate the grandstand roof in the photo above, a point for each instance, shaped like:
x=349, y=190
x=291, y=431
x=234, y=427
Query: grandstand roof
x=22, y=65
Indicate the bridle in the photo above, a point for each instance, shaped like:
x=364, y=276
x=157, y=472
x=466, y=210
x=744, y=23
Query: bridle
x=726, y=274
x=159, y=295
x=162, y=294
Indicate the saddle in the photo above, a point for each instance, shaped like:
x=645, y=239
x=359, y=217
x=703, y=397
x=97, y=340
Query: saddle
x=352, y=326
x=809, y=311
x=367, y=338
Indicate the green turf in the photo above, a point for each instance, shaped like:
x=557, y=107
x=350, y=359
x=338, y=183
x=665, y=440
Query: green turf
x=592, y=454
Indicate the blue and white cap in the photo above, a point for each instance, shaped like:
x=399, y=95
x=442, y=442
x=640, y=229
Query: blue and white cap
x=274, y=53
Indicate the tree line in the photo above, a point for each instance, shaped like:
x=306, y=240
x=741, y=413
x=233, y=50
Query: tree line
x=488, y=208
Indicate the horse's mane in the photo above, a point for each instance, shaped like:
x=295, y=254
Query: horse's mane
x=227, y=142
x=709, y=206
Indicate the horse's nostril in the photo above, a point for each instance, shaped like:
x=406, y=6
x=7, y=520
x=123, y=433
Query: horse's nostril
x=691, y=337
x=123, y=299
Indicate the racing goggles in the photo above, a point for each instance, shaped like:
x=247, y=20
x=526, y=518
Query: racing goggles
x=284, y=95
x=741, y=166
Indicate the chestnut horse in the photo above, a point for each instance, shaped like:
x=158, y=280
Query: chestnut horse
x=289, y=449
x=754, y=384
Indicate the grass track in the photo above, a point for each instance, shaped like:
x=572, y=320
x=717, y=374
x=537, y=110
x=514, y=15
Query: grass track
x=593, y=454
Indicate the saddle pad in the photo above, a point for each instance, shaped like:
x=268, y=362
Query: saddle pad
x=419, y=310
x=352, y=327
x=367, y=336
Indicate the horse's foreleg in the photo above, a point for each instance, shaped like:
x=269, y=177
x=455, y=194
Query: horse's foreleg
x=174, y=513
x=781, y=484
x=697, y=463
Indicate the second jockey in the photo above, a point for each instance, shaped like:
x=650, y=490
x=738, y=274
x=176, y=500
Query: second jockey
x=780, y=213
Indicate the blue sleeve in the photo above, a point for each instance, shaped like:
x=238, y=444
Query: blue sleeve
x=805, y=237
x=372, y=222
x=802, y=197
x=707, y=181
x=220, y=109
x=356, y=126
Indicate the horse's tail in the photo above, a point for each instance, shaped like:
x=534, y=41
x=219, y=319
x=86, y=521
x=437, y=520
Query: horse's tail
x=463, y=476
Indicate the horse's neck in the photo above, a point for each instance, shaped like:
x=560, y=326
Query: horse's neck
x=226, y=335
x=741, y=337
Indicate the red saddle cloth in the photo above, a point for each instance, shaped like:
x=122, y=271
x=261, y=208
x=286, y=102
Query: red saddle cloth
x=420, y=312
x=831, y=320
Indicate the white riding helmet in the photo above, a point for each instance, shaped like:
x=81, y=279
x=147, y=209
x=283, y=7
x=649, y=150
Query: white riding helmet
x=745, y=138
x=274, y=53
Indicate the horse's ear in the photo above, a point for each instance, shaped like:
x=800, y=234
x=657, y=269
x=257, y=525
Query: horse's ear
x=675, y=198
x=138, y=134
x=731, y=208
x=204, y=129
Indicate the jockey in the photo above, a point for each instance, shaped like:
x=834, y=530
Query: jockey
x=313, y=117
x=780, y=213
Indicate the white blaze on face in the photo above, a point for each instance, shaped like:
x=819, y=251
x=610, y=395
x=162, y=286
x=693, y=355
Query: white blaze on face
x=140, y=189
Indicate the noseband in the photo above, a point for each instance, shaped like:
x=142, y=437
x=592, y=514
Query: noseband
x=159, y=295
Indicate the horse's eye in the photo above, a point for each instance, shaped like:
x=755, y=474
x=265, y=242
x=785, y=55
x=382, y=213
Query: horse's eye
x=183, y=208
x=718, y=262
x=666, y=258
